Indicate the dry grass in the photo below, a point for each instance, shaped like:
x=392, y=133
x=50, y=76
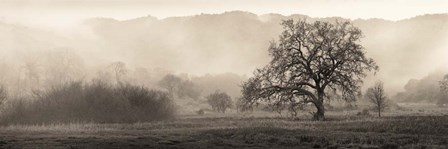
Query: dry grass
x=237, y=131
x=411, y=127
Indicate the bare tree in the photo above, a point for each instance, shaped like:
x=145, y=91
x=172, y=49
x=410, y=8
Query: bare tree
x=189, y=89
x=63, y=65
x=171, y=83
x=119, y=69
x=219, y=101
x=377, y=97
x=32, y=74
x=180, y=87
x=142, y=76
x=311, y=60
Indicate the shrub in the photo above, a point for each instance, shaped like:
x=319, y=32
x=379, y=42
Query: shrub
x=364, y=112
x=90, y=102
x=200, y=112
x=219, y=101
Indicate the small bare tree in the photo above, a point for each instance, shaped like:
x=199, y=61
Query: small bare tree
x=32, y=74
x=377, y=97
x=61, y=66
x=120, y=70
x=171, y=83
x=219, y=101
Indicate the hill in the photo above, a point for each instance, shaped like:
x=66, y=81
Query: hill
x=234, y=42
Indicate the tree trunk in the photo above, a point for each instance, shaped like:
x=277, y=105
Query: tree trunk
x=379, y=112
x=320, y=114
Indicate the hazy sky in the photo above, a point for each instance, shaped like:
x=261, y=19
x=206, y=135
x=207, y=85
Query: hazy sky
x=60, y=13
x=64, y=16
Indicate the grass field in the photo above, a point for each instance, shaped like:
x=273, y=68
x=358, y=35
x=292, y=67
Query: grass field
x=236, y=131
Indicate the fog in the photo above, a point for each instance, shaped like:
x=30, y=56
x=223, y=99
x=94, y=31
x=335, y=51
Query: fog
x=223, y=73
x=234, y=42
x=196, y=42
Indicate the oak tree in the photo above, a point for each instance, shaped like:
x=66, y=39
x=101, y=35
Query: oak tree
x=310, y=61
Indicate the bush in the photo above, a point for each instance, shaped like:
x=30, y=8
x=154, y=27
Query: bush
x=219, y=101
x=200, y=112
x=90, y=102
x=364, y=112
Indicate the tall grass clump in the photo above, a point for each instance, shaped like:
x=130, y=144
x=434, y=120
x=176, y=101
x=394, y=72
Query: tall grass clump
x=95, y=102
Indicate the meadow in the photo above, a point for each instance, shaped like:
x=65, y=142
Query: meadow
x=412, y=127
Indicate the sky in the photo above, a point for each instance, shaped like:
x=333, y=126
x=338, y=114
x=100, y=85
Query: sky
x=63, y=13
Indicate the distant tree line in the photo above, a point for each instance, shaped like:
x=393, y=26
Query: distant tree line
x=429, y=89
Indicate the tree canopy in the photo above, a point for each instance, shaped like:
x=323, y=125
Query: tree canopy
x=310, y=61
x=180, y=87
x=219, y=101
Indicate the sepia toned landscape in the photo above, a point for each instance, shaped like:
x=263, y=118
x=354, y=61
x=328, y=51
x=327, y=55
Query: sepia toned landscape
x=214, y=74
